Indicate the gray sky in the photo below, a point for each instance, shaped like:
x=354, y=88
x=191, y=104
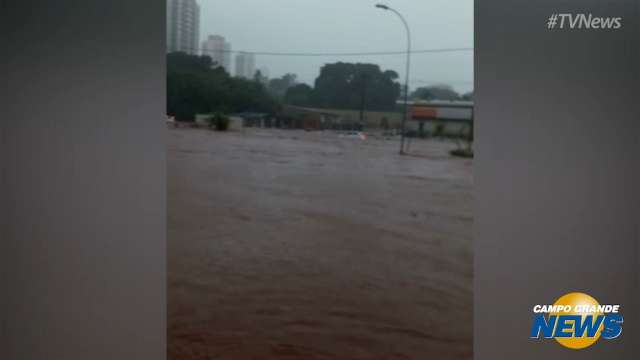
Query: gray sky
x=348, y=26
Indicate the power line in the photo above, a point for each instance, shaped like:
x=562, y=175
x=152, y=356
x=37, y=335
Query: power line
x=374, y=53
x=320, y=54
x=434, y=82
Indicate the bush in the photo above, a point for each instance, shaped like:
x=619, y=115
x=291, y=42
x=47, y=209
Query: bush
x=219, y=122
x=465, y=153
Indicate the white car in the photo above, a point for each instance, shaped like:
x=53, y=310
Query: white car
x=354, y=134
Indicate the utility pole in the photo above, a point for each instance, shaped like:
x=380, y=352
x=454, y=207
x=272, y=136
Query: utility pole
x=362, y=98
x=406, y=82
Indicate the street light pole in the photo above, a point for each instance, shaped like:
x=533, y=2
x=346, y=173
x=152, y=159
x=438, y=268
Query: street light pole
x=406, y=82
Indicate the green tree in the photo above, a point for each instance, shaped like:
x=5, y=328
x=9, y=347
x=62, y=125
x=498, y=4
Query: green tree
x=436, y=92
x=278, y=87
x=194, y=87
x=299, y=95
x=346, y=85
x=259, y=77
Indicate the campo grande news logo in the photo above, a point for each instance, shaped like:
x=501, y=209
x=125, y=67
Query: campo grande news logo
x=576, y=320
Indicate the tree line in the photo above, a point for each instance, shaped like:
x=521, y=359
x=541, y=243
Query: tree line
x=195, y=85
x=440, y=92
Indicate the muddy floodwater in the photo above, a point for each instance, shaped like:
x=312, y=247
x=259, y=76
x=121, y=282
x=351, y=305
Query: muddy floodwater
x=286, y=244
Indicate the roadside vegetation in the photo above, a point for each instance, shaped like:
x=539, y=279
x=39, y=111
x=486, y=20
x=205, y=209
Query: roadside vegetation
x=195, y=85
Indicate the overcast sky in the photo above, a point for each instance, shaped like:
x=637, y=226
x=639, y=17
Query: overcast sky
x=312, y=26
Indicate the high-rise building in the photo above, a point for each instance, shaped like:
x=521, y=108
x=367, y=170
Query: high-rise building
x=226, y=58
x=183, y=26
x=218, y=50
x=245, y=65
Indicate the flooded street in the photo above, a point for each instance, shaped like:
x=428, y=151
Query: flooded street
x=286, y=244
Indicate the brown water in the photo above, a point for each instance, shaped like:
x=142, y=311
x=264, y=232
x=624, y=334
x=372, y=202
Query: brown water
x=306, y=245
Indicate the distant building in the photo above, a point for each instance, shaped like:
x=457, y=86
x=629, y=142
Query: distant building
x=245, y=65
x=226, y=58
x=183, y=26
x=218, y=50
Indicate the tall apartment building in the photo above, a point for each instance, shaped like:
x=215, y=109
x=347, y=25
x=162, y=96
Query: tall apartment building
x=226, y=58
x=218, y=50
x=183, y=26
x=245, y=65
